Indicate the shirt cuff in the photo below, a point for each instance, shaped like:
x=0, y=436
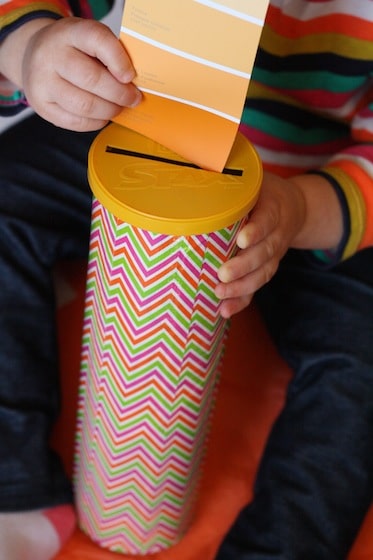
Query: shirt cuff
x=330, y=257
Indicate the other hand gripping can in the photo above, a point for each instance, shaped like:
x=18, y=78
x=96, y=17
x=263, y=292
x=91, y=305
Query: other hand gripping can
x=153, y=337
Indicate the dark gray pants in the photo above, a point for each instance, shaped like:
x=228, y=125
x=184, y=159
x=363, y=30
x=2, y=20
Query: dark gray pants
x=45, y=207
x=315, y=481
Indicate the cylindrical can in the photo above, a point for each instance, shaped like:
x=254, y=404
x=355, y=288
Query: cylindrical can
x=153, y=337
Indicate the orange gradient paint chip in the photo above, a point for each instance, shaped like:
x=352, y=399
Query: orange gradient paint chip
x=193, y=67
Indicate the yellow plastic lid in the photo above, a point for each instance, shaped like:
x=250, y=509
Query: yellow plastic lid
x=146, y=185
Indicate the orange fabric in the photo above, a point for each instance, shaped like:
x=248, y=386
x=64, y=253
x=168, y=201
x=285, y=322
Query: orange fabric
x=250, y=395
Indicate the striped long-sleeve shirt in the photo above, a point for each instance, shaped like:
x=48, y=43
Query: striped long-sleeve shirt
x=310, y=101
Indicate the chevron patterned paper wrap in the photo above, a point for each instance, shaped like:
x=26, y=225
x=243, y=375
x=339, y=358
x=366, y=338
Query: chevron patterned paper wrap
x=152, y=345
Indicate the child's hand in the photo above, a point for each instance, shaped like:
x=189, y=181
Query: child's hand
x=76, y=74
x=275, y=221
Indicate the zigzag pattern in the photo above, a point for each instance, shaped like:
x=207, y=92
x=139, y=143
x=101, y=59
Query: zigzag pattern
x=152, y=345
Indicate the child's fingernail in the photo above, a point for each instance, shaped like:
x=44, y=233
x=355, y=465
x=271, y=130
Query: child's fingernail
x=137, y=100
x=128, y=76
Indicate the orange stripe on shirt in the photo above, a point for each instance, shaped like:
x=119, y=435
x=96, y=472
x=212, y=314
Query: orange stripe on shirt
x=345, y=24
x=365, y=183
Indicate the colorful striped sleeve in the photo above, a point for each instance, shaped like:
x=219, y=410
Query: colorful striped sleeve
x=310, y=102
x=13, y=14
x=351, y=172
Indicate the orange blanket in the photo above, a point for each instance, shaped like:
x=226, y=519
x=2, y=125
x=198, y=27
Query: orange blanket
x=250, y=395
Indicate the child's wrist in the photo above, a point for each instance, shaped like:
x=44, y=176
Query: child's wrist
x=14, y=47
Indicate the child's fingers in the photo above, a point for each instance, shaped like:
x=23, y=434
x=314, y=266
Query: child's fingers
x=262, y=222
x=249, y=283
x=73, y=108
x=98, y=41
x=230, y=307
x=248, y=260
x=65, y=119
x=90, y=75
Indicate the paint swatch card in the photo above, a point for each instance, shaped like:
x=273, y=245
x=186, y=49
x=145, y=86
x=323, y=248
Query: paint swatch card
x=193, y=60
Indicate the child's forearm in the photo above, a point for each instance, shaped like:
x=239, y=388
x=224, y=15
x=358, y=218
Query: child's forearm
x=323, y=224
x=13, y=48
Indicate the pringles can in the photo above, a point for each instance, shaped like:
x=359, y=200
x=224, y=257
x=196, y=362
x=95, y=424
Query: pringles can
x=153, y=337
